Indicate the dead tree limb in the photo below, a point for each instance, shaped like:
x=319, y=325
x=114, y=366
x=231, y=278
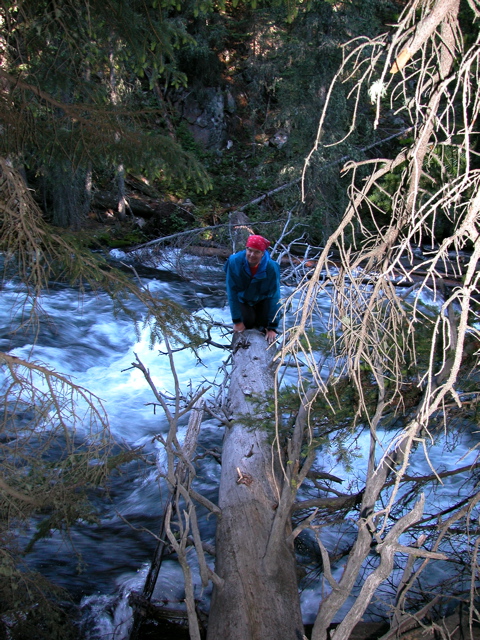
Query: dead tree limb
x=181, y=472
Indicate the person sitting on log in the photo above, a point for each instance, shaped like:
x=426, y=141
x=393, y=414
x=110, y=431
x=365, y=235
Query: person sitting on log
x=253, y=288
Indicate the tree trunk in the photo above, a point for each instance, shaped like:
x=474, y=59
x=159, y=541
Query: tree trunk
x=121, y=200
x=259, y=598
x=68, y=197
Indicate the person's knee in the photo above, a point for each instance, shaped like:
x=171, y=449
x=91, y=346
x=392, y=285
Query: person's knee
x=249, y=323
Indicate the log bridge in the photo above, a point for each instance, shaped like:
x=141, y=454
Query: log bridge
x=258, y=599
x=255, y=593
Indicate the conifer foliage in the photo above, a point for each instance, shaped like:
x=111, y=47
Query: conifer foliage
x=74, y=77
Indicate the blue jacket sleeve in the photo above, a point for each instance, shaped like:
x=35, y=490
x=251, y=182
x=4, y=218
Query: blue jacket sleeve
x=273, y=315
x=232, y=292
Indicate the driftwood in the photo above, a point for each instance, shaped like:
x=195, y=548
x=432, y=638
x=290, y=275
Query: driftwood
x=258, y=599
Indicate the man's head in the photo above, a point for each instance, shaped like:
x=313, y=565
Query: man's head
x=255, y=248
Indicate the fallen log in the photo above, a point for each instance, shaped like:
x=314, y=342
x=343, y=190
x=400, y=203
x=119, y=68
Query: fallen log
x=258, y=599
x=140, y=206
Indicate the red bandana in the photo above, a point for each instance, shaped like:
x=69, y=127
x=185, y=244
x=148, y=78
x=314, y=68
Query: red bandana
x=258, y=242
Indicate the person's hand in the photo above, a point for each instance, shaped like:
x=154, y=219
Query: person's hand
x=239, y=326
x=270, y=336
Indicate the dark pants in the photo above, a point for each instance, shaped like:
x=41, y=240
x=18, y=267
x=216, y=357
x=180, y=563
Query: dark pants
x=256, y=316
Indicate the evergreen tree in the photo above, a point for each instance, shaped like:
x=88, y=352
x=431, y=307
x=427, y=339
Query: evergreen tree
x=59, y=113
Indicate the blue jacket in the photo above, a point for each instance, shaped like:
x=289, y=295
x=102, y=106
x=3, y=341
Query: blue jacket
x=242, y=287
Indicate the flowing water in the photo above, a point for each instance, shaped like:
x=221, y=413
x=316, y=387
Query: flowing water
x=83, y=338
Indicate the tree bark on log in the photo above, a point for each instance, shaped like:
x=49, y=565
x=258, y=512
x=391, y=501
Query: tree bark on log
x=259, y=598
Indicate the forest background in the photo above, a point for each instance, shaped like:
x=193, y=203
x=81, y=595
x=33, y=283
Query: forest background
x=125, y=121
x=189, y=102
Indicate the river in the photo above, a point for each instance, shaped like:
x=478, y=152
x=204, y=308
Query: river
x=81, y=336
